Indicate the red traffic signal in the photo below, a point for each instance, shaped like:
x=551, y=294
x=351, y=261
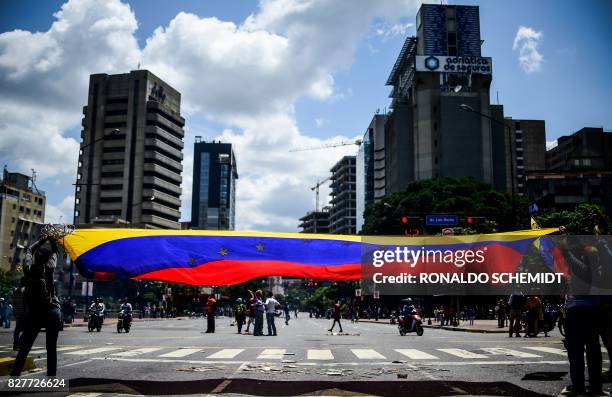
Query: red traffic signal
x=470, y=220
x=404, y=219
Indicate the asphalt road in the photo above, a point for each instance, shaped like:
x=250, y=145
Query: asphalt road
x=176, y=357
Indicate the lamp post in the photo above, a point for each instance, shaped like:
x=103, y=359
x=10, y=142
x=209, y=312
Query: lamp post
x=470, y=109
x=76, y=188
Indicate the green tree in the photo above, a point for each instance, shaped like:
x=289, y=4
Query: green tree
x=463, y=196
x=580, y=221
x=7, y=282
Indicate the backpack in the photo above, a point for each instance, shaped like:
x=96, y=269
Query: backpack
x=239, y=310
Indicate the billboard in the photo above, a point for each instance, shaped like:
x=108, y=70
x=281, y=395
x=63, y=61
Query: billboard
x=453, y=64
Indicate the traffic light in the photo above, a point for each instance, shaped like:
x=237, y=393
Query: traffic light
x=404, y=219
x=475, y=220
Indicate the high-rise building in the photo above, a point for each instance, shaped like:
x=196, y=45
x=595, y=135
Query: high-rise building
x=213, y=203
x=130, y=162
x=342, y=215
x=315, y=221
x=428, y=133
x=528, y=143
x=370, y=163
x=22, y=212
x=579, y=170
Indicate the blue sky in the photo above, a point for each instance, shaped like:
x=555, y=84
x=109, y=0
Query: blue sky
x=569, y=89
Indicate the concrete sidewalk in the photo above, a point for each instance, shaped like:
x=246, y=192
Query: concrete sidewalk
x=480, y=326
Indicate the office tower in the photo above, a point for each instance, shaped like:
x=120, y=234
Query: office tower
x=343, y=212
x=22, y=212
x=130, y=162
x=370, y=167
x=437, y=75
x=579, y=170
x=213, y=203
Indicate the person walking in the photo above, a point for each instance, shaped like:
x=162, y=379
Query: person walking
x=336, y=317
x=516, y=303
x=287, y=314
x=239, y=314
x=259, y=309
x=41, y=304
x=19, y=309
x=210, y=314
x=271, y=305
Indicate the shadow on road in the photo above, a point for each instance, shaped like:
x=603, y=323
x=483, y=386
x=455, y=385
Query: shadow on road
x=293, y=388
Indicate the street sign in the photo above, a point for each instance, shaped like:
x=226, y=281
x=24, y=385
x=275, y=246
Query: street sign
x=533, y=209
x=358, y=292
x=441, y=220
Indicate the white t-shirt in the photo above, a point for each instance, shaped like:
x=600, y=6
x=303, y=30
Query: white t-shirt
x=271, y=304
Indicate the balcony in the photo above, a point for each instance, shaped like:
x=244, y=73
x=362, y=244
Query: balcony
x=160, y=222
x=155, y=181
x=164, y=172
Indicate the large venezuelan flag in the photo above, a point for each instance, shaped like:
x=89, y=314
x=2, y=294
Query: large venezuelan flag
x=203, y=257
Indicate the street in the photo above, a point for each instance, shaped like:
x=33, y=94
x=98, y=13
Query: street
x=175, y=357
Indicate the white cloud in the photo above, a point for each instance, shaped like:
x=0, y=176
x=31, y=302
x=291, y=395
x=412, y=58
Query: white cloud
x=526, y=42
x=60, y=213
x=551, y=144
x=386, y=30
x=245, y=76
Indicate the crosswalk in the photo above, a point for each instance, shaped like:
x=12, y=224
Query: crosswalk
x=483, y=354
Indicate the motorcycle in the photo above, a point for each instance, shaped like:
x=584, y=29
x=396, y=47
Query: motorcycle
x=404, y=325
x=124, y=322
x=96, y=318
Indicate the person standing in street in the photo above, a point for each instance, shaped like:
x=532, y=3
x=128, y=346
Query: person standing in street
x=271, y=305
x=259, y=309
x=210, y=314
x=41, y=303
x=287, y=314
x=337, y=315
x=250, y=314
x=240, y=314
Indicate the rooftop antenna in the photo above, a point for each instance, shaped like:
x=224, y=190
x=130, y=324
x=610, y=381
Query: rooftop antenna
x=497, y=92
x=33, y=179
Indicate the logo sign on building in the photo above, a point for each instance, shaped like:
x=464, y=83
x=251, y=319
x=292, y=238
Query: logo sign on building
x=441, y=220
x=456, y=64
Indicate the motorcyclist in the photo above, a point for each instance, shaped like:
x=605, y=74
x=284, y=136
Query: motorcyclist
x=126, y=308
x=98, y=307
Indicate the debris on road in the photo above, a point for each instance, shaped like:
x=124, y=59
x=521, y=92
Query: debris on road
x=198, y=369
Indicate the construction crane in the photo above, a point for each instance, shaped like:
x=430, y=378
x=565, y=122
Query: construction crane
x=316, y=189
x=328, y=145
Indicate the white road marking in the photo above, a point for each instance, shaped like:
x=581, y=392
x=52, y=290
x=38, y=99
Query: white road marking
x=552, y=350
x=416, y=354
x=338, y=364
x=272, y=354
x=509, y=352
x=367, y=354
x=94, y=351
x=137, y=352
x=320, y=354
x=462, y=353
x=59, y=349
x=180, y=353
x=226, y=353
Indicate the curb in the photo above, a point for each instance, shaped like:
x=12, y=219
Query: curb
x=456, y=329
x=7, y=362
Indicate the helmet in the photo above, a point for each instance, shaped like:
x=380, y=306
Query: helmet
x=239, y=300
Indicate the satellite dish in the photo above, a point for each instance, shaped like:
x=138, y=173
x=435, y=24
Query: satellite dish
x=458, y=88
